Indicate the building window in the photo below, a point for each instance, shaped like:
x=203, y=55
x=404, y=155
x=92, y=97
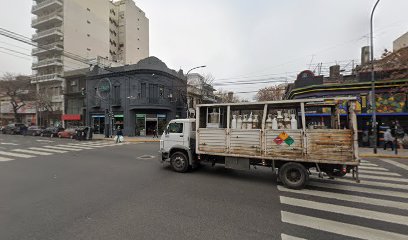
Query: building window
x=143, y=90
x=161, y=92
x=89, y=22
x=88, y=35
x=138, y=48
x=88, y=9
x=88, y=49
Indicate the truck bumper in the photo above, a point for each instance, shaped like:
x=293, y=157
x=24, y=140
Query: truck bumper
x=163, y=157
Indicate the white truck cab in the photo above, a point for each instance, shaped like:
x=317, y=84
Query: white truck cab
x=177, y=144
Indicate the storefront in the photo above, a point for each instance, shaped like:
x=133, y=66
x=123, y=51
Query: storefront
x=98, y=123
x=146, y=124
x=72, y=120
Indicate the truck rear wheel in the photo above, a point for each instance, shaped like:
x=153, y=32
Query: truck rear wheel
x=293, y=175
x=179, y=162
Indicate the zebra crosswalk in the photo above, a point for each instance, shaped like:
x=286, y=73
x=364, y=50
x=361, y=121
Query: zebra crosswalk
x=32, y=152
x=375, y=208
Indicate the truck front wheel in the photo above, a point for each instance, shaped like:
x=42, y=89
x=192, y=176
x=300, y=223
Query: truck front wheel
x=293, y=175
x=179, y=162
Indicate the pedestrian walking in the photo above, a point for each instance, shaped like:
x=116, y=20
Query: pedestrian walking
x=388, y=139
x=155, y=134
x=119, y=135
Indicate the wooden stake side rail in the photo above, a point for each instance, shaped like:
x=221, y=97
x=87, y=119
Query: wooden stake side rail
x=313, y=145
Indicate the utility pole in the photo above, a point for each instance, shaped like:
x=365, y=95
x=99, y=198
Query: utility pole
x=373, y=101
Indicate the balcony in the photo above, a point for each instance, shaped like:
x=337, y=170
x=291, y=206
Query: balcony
x=57, y=46
x=57, y=31
x=49, y=19
x=48, y=5
x=47, y=63
x=46, y=78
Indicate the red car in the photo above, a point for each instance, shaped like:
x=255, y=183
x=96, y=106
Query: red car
x=67, y=133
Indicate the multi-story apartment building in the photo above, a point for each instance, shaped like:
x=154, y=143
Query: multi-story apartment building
x=69, y=33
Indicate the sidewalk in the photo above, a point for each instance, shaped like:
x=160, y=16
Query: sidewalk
x=368, y=152
x=127, y=139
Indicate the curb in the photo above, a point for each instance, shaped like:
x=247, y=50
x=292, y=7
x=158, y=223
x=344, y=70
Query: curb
x=372, y=155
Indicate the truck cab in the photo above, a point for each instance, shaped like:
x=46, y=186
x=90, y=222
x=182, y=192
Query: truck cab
x=177, y=144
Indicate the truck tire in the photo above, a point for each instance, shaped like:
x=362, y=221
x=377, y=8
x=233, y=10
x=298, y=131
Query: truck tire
x=179, y=162
x=293, y=175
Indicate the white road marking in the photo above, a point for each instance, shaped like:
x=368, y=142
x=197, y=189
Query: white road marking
x=345, y=229
x=378, y=173
x=369, y=164
x=16, y=154
x=4, y=159
x=44, y=141
x=63, y=148
x=31, y=152
x=288, y=237
x=75, y=147
x=359, y=189
x=372, y=183
x=88, y=145
x=372, y=168
x=350, y=211
x=348, y=198
x=393, y=179
x=47, y=150
x=400, y=165
x=12, y=144
x=364, y=161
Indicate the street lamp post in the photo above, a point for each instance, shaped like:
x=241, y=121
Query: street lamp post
x=188, y=101
x=373, y=102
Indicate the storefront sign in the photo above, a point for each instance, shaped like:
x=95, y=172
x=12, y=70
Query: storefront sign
x=71, y=117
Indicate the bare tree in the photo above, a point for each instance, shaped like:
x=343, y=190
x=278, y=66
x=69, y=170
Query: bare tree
x=271, y=93
x=18, y=90
x=224, y=96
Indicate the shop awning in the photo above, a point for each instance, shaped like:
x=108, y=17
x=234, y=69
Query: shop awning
x=71, y=117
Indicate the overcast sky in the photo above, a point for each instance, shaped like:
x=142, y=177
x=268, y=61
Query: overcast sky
x=242, y=39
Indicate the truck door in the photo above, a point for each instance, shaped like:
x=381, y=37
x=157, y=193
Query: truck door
x=174, y=135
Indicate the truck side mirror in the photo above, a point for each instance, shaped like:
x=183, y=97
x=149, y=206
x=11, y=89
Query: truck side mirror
x=166, y=131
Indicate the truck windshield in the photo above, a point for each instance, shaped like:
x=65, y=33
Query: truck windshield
x=175, y=128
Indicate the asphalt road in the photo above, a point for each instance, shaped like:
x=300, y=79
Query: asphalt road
x=101, y=190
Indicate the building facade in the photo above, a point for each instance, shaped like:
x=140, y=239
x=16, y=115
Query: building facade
x=400, y=42
x=139, y=98
x=391, y=92
x=199, y=91
x=69, y=33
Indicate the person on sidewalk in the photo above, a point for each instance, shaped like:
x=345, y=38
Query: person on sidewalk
x=119, y=135
x=388, y=139
x=155, y=134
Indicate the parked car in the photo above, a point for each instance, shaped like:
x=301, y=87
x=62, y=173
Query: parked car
x=14, y=128
x=67, y=133
x=1, y=128
x=34, y=130
x=51, y=131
